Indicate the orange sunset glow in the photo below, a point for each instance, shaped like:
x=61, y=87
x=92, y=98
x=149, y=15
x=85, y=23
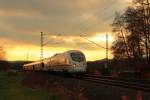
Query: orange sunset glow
x=63, y=22
x=32, y=52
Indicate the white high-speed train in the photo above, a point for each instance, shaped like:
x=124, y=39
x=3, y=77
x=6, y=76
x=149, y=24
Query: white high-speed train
x=72, y=61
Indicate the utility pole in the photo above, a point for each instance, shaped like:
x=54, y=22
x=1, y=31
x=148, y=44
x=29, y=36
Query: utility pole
x=41, y=55
x=106, y=64
x=106, y=48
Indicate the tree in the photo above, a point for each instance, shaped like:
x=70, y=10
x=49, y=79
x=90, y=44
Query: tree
x=132, y=31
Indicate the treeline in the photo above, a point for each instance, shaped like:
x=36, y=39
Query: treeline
x=132, y=32
x=4, y=65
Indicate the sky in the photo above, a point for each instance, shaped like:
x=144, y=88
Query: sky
x=62, y=22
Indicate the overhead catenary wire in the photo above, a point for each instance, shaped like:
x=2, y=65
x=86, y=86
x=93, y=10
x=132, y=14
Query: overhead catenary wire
x=92, y=42
x=105, y=8
x=42, y=35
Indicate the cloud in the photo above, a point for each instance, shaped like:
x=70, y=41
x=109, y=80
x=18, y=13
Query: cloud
x=17, y=50
x=23, y=20
x=20, y=53
x=51, y=15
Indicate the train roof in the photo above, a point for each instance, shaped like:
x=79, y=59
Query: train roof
x=72, y=51
x=39, y=61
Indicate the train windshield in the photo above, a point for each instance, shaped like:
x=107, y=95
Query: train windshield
x=78, y=57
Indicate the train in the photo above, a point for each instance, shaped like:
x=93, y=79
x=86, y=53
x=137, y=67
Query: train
x=72, y=61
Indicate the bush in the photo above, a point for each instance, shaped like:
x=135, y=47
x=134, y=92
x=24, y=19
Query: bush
x=4, y=66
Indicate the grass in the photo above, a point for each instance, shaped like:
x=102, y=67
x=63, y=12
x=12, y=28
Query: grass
x=44, y=86
x=11, y=88
x=58, y=88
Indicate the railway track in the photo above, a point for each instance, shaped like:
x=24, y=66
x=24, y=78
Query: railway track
x=144, y=86
x=118, y=83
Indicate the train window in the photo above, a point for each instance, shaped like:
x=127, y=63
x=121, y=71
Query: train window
x=79, y=57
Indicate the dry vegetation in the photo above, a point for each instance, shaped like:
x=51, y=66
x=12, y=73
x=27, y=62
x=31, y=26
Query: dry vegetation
x=4, y=65
x=56, y=87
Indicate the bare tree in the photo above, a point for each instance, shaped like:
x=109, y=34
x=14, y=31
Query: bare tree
x=133, y=26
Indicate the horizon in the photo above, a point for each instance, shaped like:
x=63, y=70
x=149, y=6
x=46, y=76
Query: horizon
x=62, y=21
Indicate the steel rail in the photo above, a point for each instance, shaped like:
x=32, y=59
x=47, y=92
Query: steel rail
x=117, y=83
